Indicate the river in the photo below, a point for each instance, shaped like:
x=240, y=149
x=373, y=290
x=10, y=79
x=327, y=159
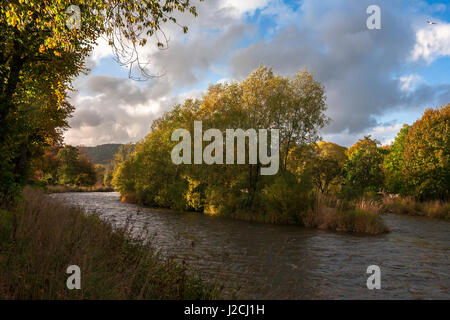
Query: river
x=262, y=261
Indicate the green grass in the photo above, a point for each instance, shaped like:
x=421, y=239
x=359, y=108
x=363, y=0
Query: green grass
x=42, y=237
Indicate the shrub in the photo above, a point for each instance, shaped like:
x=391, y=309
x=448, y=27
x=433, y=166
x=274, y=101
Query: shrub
x=288, y=198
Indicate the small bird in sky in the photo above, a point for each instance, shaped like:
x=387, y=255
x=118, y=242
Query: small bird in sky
x=430, y=22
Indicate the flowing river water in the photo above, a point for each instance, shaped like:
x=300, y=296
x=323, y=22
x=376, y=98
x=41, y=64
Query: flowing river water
x=262, y=261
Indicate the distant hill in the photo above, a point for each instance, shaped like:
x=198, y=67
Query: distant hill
x=102, y=154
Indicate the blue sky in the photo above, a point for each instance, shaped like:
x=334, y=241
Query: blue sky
x=375, y=80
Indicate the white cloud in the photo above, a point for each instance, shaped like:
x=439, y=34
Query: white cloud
x=409, y=83
x=101, y=50
x=245, y=6
x=282, y=14
x=432, y=42
x=329, y=38
x=385, y=134
x=112, y=109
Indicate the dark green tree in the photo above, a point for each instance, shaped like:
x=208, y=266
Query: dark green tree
x=363, y=169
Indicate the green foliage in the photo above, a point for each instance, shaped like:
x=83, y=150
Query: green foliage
x=327, y=161
x=65, y=165
x=123, y=152
x=294, y=105
x=287, y=198
x=40, y=56
x=394, y=165
x=363, y=169
x=427, y=155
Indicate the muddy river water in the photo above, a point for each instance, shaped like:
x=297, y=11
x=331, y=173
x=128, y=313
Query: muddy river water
x=261, y=261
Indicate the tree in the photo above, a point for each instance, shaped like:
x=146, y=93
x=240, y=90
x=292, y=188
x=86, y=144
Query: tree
x=68, y=170
x=427, y=154
x=327, y=161
x=86, y=175
x=100, y=173
x=394, y=164
x=294, y=105
x=48, y=164
x=40, y=56
x=75, y=168
x=363, y=169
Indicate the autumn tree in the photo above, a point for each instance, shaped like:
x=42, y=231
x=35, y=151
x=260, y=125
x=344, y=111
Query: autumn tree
x=74, y=168
x=48, y=165
x=40, y=55
x=427, y=154
x=294, y=105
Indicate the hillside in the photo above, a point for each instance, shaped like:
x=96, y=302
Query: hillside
x=102, y=154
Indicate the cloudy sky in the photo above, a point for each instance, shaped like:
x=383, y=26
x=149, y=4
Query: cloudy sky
x=375, y=80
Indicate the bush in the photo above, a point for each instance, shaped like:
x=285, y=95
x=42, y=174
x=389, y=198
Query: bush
x=287, y=199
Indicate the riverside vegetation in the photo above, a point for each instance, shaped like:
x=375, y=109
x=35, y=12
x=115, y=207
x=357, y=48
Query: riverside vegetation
x=35, y=252
x=40, y=57
x=416, y=164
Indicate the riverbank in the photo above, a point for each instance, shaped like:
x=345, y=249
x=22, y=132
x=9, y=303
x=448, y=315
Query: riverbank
x=64, y=189
x=42, y=237
x=409, y=206
x=326, y=213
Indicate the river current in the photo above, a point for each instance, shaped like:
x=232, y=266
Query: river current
x=262, y=261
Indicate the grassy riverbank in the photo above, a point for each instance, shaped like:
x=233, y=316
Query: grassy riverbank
x=325, y=212
x=328, y=213
x=409, y=206
x=42, y=237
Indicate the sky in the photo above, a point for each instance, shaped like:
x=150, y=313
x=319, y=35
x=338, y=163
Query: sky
x=375, y=80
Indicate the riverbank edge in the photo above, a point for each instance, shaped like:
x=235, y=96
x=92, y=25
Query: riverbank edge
x=434, y=209
x=41, y=237
x=361, y=218
x=66, y=189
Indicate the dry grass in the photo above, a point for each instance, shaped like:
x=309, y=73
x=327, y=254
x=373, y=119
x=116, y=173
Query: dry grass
x=360, y=217
x=43, y=237
x=330, y=213
x=371, y=206
x=409, y=206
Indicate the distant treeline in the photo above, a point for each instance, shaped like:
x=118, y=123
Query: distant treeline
x=416, y=164
x=65, y=165
x=79, y=166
